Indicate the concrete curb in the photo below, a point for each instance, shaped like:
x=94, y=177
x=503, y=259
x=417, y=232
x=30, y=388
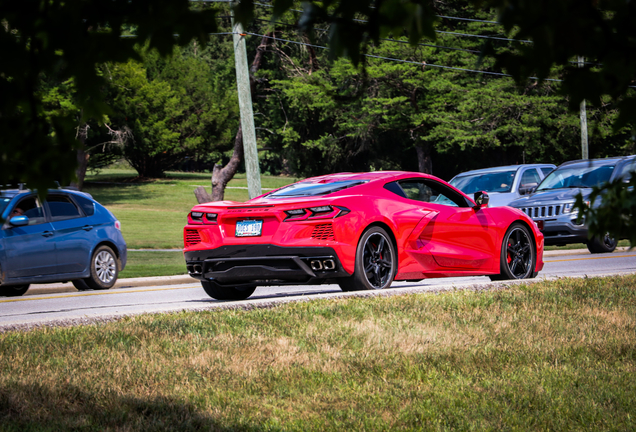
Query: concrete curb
x=185, y=279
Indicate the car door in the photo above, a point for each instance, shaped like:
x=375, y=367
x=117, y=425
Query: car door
x=30, y=249
x=457, y=236
x=73, y=237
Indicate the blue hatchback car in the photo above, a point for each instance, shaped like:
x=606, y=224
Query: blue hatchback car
x=67, y=237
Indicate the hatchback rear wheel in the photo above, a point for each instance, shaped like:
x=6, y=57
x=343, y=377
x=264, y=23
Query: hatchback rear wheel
x=104, y=269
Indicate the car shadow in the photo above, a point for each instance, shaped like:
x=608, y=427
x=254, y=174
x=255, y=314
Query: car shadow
x=70, y=407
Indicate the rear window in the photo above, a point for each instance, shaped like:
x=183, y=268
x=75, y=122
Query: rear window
x=87, y=205
x=305, y=189
x=62, y=207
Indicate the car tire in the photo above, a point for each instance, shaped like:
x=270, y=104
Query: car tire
x=104, y=269
x=220, y=292
x=376, y=262
x=605, y=244
x=518, y=257
x=80, y=284
x=13, y=290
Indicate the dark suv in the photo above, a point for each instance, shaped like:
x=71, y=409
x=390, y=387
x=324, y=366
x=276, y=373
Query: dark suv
x=67, y=237
x=551, y=203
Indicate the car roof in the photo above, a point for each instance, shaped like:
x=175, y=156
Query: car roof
x=369, y=176
x=504, y=168
x=15, y=192
x=598, y=162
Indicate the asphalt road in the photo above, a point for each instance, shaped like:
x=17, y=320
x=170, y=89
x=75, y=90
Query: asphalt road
x=61, y=304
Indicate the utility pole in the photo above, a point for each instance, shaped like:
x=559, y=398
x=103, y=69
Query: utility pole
x=584, y=148
x=252, y=169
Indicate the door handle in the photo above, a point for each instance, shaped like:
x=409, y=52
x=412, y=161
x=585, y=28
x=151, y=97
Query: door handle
x=47, y=234
x=87, y=227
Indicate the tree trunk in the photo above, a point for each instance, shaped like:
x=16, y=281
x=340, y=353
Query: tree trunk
x=424, y=162
x=82, y=158
x=222, y=176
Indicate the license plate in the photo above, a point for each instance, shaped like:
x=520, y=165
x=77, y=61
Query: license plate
x=249, y=228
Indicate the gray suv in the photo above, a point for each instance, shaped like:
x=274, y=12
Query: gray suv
x=503, y=184
x=551, y=203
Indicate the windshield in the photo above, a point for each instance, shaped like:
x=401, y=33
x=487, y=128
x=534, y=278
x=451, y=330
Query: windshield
x=4, y=202
x=489, y=182
x=577, y=176
x=313, y=189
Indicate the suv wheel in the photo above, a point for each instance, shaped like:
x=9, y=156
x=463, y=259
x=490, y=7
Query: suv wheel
x=604, y=244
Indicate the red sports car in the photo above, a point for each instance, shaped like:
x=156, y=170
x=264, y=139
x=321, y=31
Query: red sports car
x=360, y=230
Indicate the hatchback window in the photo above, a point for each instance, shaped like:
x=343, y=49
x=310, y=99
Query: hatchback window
x=62, y=207
x=490, y=182
x=31, y=208
x=87, y=205
x=4, y=202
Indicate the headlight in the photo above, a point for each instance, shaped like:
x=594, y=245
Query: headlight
x=567, y=207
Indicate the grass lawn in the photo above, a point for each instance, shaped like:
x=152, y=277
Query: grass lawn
x=557, y=355
x=160, y=263
x=153, y=213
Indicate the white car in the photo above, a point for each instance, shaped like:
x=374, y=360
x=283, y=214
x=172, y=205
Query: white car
x=504, y=184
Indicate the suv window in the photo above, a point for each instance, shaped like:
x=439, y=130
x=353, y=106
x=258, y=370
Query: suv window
x=530, y=178
x=31, y=208
x=62, y=207
x=546, y=170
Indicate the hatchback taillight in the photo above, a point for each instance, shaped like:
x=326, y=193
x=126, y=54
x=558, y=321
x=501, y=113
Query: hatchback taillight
x=118, y=225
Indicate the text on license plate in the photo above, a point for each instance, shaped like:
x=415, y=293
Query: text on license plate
x=249, y=228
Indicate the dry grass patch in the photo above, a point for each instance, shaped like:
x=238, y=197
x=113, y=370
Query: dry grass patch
x=553, y=355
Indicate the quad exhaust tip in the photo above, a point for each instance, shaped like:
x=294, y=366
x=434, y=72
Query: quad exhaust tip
x=195, y=269
x=326, y=264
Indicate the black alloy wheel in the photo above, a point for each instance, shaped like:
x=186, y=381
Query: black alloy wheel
x=518, y=256
x=220, y=292
x=13, y=290
x=602, y=244
x=376, y=262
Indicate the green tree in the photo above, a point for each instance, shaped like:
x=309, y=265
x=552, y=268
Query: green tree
x=65, y=40
x=172, y=109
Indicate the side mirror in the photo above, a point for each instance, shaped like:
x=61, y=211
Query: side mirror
x=18, y=221
x=481, y=199
x=527, y=188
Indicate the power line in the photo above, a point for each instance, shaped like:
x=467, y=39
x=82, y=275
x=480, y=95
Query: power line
x=402, y=61
x=382, y=39
x=438, y=16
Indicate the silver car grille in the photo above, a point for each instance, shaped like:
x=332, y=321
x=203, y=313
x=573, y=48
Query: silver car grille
x=542, y=212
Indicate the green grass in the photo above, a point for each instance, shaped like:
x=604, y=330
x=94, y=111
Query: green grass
x=558, y=355
x=153, y=213
x=160, y=263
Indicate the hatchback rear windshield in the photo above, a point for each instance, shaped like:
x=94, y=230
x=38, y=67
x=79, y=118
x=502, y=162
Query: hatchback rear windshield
x=490, y=182
x=305, y=189
x=584, y=175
